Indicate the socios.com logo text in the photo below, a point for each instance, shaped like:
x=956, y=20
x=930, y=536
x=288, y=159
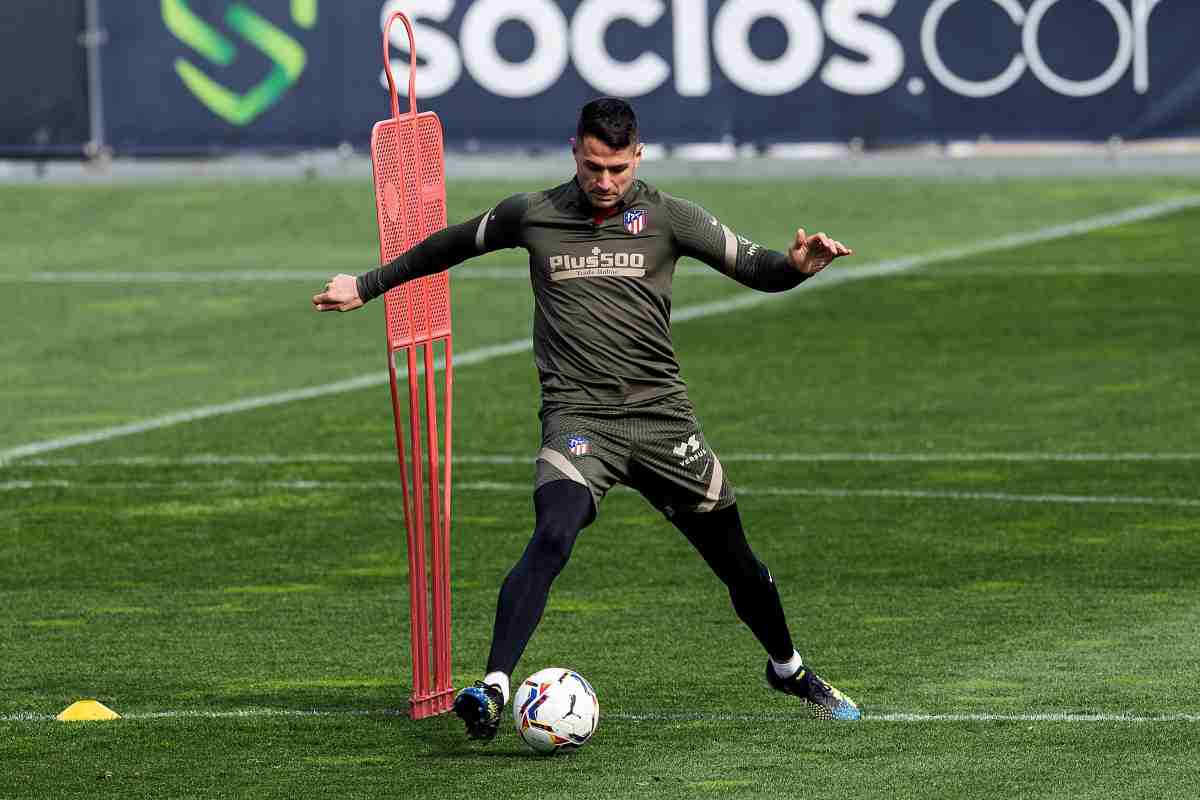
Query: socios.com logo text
x=701, y=41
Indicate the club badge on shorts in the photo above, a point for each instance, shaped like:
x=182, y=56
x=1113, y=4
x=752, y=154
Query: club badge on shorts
x=636, y=219
x=579, y=446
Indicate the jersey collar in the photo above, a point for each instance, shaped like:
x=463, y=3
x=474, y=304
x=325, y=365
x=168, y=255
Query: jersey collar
x=598, y=215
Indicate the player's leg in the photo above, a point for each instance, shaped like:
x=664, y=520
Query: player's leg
x=720, y=539
x=562, y=509
x=678, y=472
x=582, y=457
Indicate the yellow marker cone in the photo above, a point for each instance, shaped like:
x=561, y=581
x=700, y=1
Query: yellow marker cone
x=85, y=710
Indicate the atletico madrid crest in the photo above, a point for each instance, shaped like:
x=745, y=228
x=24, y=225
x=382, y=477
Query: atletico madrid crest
x=579, y=445
x=635, y=221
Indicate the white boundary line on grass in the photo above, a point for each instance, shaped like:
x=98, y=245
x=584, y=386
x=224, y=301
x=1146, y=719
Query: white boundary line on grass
x=263, y=459
x=525, y=488
x=735, y=303
x=906, y=716
x=521, y=273
x=280, y=398
x=894, y=716
x=502, y=273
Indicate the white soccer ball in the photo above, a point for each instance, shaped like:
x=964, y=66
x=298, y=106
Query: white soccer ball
x=555, y=709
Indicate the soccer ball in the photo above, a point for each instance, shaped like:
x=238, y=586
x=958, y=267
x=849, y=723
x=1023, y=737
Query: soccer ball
x=555, y=709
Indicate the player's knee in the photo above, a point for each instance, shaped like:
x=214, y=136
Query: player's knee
x=764, y=574
x=551, y=545
x=564, y=505
x=751, y=576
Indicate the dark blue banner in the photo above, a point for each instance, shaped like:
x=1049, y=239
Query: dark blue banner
x=43, y=88
x=218, y=74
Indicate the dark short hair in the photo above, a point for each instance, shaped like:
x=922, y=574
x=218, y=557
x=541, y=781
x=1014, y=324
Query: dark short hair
x=609, y=119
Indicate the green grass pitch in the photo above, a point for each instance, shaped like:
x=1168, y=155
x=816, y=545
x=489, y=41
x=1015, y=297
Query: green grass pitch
x=975, y=482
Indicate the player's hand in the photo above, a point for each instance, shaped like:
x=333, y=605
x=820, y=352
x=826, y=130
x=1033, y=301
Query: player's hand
x=811, y=254
x=341, y=294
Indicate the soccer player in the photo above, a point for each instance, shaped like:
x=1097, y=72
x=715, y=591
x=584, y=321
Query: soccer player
x=602, y=252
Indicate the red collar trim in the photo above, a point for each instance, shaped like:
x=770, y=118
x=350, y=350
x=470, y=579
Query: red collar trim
x=604, y=214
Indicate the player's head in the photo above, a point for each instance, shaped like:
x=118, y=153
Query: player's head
x=607, y=151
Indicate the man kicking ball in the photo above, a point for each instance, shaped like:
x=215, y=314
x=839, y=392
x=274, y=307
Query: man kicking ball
x=602, y=252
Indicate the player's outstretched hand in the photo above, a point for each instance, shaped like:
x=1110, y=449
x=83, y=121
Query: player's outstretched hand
x=811, y=254
x=341, y=294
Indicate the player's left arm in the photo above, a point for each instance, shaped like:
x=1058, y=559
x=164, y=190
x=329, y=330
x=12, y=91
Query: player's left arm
x=701, y=236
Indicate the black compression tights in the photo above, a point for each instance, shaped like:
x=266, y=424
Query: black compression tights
x=564, y=508
x=720, y=540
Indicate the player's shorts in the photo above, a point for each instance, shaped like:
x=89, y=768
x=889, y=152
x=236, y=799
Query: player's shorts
x=657, y=449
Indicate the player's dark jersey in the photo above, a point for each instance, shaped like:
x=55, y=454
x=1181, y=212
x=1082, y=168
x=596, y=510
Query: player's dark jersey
x=601, y=283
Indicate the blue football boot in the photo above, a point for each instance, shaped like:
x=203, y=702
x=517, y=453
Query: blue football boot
x=479, y=706
x=817, y=696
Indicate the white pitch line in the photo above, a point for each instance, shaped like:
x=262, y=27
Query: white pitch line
x=905, y=716
x=736, y=303
x=900, y=716
x=353, y=384
x=198, y=276
x=933, y=494
x=502, y=273
x=217, y=459
x=960, y=457
x=1159, y=270
x=524, y=488
x=240, y=713
x=895, y=716
x=515, y=273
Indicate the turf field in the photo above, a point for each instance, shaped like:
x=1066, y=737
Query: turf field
x=969, y=456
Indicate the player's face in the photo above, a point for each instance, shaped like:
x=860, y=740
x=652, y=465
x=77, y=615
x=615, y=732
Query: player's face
x=604, y=173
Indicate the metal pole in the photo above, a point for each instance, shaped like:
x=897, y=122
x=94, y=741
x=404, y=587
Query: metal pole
x=94, y=37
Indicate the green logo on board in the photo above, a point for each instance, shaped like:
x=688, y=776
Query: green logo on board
x=286, y=55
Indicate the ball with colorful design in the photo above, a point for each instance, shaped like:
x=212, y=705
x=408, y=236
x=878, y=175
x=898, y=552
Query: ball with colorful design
x=555, y=709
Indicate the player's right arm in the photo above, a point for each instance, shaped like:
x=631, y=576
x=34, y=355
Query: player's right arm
x=496, y=229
